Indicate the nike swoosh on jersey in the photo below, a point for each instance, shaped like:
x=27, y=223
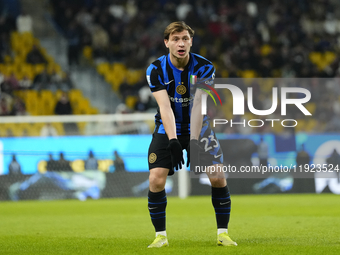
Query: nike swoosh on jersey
x=166, y=83
x=217, y=156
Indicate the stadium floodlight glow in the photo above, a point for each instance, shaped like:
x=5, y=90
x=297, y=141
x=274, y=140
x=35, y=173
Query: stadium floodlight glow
x=238, y=100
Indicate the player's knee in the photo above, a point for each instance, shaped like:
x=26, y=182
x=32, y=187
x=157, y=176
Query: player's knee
x=156, y=182
x=218, y=182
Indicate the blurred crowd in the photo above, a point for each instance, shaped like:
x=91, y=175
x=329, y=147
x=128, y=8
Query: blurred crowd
x=18, y=79
x=269, y=38
x=229, y=33
x=9, y=105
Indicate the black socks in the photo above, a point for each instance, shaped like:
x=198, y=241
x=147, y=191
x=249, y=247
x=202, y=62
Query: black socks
x=221, y=201
x=157, y=203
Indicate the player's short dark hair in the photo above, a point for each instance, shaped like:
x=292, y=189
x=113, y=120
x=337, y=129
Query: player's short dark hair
x=177, y=26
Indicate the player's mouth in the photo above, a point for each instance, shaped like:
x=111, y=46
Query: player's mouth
x=181, y=52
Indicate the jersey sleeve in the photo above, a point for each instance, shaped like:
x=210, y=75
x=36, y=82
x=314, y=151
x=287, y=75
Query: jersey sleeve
x=206, y=74
x=154, y=80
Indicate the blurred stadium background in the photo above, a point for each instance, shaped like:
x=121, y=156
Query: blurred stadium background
x=76, y=118
x=77, y=114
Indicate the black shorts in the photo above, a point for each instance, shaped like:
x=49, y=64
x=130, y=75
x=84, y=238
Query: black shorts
x=159, y=156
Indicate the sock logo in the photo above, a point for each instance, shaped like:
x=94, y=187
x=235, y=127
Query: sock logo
x=224, y=203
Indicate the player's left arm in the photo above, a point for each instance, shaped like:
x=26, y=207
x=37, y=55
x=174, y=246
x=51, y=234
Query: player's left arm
x=206, y=75
x=196, y=119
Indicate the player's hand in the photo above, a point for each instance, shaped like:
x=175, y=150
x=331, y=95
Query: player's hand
x=176, y=153
x=195, y=150
x=195, y=144
x=188, y=155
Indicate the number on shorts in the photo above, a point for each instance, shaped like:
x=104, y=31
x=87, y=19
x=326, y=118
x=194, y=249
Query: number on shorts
x=206, y=140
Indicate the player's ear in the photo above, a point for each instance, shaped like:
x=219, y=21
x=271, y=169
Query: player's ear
x=166, y=42
x=191, y=40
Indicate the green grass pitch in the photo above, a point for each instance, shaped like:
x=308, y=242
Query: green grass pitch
x=260, y=224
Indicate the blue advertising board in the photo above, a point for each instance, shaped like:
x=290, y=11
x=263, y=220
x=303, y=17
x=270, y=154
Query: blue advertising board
x=30, y=151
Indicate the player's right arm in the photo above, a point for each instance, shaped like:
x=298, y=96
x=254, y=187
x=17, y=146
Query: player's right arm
x=167, y=114
x=160, y=93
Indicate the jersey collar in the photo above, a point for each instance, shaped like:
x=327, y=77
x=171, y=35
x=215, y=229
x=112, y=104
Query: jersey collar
x=175, y=68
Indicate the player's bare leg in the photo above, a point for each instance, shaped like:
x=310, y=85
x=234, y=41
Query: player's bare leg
x=220, y=197
x=157, y=179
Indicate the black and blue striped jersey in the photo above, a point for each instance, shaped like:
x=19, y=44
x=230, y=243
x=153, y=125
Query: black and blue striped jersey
x=161, y=74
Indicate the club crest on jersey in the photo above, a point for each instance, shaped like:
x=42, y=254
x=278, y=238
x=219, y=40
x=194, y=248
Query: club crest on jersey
x=181, y=89
x=152, y=158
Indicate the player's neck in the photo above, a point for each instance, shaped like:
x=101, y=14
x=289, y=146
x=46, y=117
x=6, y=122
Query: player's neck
x=179, y=63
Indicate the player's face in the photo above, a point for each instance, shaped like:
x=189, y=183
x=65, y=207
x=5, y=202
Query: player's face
x=179, y=44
